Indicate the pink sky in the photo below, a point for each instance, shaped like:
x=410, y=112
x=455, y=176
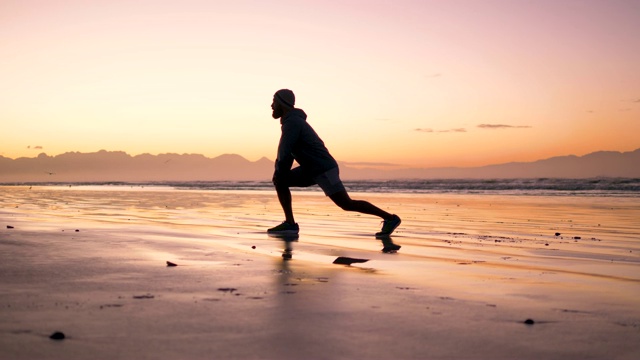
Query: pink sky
x=404, y=82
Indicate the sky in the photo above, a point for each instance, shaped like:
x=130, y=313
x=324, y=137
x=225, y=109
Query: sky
x=420, y=83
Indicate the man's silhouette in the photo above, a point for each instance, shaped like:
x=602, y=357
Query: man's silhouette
x=301, y=143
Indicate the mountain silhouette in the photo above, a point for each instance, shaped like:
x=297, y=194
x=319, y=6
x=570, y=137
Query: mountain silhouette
x=118, y=166
x=597, y=164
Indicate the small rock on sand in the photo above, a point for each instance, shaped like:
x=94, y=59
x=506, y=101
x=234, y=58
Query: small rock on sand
x=9, y=227
x=529, y=322
x=57, y=336
x=229, y=290
x=348, y=261
x=146, y=296
x=169, y=263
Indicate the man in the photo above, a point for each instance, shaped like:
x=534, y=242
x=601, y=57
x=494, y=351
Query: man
x=301, y=143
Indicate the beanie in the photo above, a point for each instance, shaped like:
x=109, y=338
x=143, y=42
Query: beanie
x=285, y=97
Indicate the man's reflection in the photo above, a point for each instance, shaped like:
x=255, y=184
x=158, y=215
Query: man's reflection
x=287, y=253
x=388, y=246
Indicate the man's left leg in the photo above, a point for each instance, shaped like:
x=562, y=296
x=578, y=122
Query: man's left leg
x=390, y=223
x=345, y=202
x=334, y=188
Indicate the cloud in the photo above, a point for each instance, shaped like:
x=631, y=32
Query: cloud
x=378, y=164
x=37, y=147
x=460, y=130
x=502, y=126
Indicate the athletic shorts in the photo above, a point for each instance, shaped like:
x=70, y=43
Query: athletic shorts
x=328, y=181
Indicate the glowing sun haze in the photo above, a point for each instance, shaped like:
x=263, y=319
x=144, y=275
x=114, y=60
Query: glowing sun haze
x=420, y=83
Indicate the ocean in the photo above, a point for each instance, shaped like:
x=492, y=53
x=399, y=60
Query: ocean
x=614, y=187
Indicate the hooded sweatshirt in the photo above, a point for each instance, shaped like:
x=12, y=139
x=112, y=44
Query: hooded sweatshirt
x=300, y=142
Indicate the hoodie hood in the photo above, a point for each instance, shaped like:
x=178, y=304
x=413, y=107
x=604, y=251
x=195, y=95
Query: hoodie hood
x=294, y=113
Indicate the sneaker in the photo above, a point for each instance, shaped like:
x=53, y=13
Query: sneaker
x=284, y=229
x=389, y=225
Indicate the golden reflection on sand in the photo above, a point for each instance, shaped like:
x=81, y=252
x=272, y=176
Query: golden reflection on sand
x=470, y=267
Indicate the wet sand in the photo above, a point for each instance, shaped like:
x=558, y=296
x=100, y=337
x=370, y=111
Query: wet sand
x=90, y=262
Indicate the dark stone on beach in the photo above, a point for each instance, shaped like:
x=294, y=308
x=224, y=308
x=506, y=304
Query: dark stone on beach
x=577, y=238
x=57, y=336
x=229, y=290
x=253, y=247
x=9, y=227
x=77, y=230
x=169, y=263
x=558, y=234
x=348, y=261
x=147, y=296
x=529, y=322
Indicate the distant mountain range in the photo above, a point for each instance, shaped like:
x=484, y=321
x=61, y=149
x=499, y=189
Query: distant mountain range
x=111, y=166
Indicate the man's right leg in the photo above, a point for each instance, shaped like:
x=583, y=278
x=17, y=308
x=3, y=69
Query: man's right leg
x=284, y=196
x=295, y=178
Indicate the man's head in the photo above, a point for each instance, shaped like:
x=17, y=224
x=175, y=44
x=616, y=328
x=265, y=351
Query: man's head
x=283, y=101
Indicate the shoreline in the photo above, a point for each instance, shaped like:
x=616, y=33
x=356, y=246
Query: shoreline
x=596, y=187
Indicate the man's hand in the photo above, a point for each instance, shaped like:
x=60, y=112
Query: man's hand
x=278, y=178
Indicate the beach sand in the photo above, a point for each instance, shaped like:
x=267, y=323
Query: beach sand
x=90, y=262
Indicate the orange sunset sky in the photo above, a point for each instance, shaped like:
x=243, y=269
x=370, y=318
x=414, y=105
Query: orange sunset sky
x=420, y=83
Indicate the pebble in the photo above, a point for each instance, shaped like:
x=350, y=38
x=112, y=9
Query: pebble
x=147, y=296
x=9, y=227
x=229, y=290
x=529, y=322
x=253, y=247
x=169, y=263
x=57, y=336
x=342, y=260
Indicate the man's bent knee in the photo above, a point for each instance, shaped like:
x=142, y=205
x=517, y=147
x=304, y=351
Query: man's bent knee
x=343, y=201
